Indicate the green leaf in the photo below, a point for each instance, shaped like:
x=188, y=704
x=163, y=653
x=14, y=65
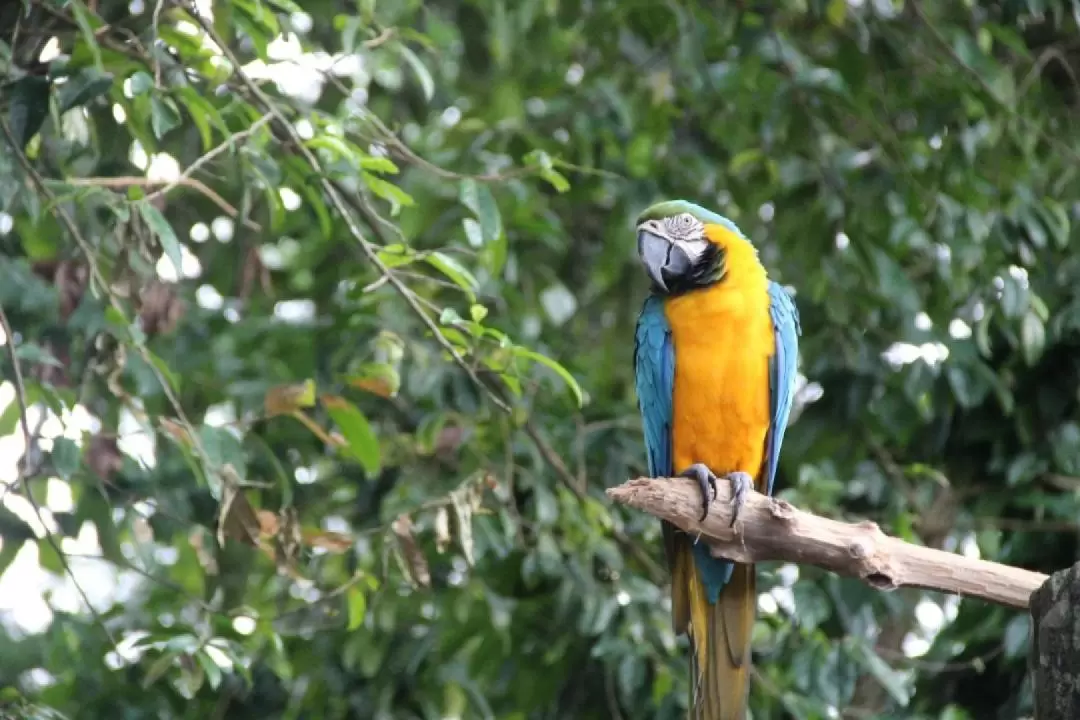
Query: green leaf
x=1056, y=219
x=171, y=378
x=473, y=232
x=357, y=608
x=378, y=164
x=397, y=255
x=9, y=419
x=493, y=255
x=88, y=25
x=361, y=442
x=454, y=270
x=258, y=22
x=542, y=161
x=381, y=379
x=556, y=179
x=890, y=679
x=213, y=671
x=1032, y=337
x=82, y=87
x=222, y=448
x=48, y=558
x=286, y=6
x=745, y=159
x=1017, y=635
x=65, y=457
x=341, y=148
x=337, y=146
x=316, y=205
x=164, y=115
x=450, y=316
x=141, y=83
x=164, y=232
x=419, y=69
x=388, y=191
x=31, y=352
x=28, y=107
x=559, y=370
x=8, y=550
x=202, y=115
x=478, y=198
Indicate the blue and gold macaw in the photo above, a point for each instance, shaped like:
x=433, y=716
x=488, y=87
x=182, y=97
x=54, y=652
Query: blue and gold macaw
x=715, y=361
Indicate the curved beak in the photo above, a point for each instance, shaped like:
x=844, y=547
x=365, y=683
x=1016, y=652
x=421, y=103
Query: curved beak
x=664, y=261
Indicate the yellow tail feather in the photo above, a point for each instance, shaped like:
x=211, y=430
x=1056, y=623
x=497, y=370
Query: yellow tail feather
x=719, y=640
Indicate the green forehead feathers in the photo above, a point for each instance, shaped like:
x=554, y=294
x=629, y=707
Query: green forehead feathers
x=668, y=208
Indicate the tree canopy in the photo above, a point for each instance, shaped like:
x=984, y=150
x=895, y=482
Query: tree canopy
x=318, y=328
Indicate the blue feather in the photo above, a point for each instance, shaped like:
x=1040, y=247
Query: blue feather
x=782, y=365
x=654, y=373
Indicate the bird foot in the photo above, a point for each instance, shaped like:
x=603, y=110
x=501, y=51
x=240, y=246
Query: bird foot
x=706, y=480
x=740, y=485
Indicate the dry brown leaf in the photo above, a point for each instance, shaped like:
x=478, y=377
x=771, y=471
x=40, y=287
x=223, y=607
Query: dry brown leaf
x=374, y=385
x=160, y=308
x=103, y=456
x=415, y=562
x=287, y=399
x=442, y=529
x=271, y=525
x=331, y=541
x=236, y=517
x=176, y=430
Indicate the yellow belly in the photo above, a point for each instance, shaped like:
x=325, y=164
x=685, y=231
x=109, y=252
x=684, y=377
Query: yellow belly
x=723, y=340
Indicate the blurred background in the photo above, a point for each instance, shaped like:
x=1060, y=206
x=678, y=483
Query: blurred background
x=318, y=320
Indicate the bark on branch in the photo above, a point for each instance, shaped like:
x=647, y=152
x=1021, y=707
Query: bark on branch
x=1055, y=650
x=772, y=529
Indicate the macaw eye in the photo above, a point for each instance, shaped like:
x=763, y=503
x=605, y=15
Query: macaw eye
x=682, y=225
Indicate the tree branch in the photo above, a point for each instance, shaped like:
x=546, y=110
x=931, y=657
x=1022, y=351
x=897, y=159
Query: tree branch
x=772, y=529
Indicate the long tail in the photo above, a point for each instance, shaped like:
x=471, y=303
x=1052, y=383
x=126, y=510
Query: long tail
x=719, y=636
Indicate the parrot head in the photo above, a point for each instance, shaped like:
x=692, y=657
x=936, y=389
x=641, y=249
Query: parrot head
x=682, y=246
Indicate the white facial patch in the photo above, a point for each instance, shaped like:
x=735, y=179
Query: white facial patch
x=687, y=232
x=694, y=249
x=683, y=230
x=683, y=226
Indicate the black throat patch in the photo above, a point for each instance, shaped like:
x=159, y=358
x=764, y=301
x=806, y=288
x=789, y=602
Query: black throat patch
x=706, y=271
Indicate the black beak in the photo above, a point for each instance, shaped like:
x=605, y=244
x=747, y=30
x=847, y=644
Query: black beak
x=664, y=261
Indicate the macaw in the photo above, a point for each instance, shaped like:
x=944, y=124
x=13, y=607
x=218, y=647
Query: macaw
x=715, y=355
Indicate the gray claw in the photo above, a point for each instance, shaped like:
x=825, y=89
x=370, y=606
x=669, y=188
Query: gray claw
x=740, y=485
x=706, y=480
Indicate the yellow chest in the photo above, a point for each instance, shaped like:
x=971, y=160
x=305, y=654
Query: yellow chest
x=723, y=339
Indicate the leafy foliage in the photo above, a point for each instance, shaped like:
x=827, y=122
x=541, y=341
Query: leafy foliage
x=331, y=310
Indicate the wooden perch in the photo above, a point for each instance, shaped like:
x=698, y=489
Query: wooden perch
x=772, y=529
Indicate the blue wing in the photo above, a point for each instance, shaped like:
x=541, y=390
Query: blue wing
x=785, y=320
x=654, y=375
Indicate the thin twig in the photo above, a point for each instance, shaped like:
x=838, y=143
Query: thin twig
x=381, y=38
x=20, y=394
x=124, y=181
x=226, y=144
